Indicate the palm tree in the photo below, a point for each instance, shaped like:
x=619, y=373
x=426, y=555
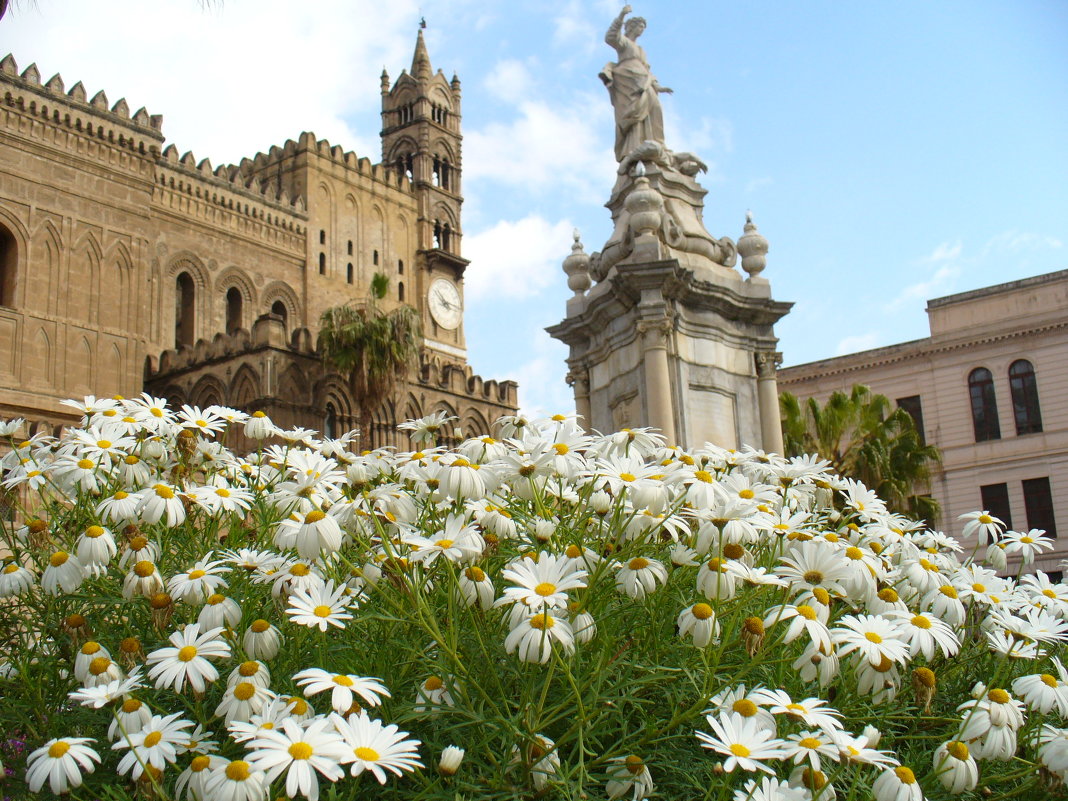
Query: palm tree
x=866, y=437
x=372, y=348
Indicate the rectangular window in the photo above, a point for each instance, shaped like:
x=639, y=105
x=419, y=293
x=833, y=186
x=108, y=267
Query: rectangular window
x=912, y=405
x=1038, y=501
x=995, y=498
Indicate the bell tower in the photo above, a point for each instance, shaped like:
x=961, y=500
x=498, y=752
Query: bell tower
x=421, y=141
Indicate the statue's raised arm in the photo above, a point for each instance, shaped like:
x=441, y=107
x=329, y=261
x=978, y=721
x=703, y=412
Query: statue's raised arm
x=632, y=87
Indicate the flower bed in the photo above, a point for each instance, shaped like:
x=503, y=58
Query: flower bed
x=545, y=614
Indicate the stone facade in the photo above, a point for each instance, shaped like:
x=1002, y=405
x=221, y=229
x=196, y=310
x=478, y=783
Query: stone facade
x=127, y=265
x=1003, y=434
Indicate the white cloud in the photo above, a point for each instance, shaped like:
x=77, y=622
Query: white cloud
x=936, y=285
x=510, y=81
x=944, y=251
x=758, y=183
x=572, y=27
x=546, y=147
x=230, y=79
x=542, y=388
x=1016, y=240
x=857, y=342
x=516, y=259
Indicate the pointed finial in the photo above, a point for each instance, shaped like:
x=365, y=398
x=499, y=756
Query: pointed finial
x=385, y=81
x=577, y=267
x=421, y=69
x=753, y=248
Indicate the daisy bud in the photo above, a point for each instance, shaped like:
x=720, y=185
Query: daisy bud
x=924, y=683
x=872, y=735
x=78, y=628
x=130, y=652
x=544, y=530
x=753, y=635
x=601, y=502
x=450, y=760
x=162, y=609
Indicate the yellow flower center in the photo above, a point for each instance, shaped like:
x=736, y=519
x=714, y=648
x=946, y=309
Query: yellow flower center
x=299, y=569
x=797, y=708
x=215, y=599
x=343, y=681
x=739, y=750
x=300, y=751
x=58, y=749
x=197, y=574
x=925, y=676
x=186, y=653
x=238, y=770
x=131, y=705
x=99, y=665
x=806, y=612
x=889, y=595
x=86, y=464
x=747, y=494
x=163, y=491
x=90, y=647
x=744, y=707
x=1049, y=593
x=813, y=577
x=260, y=626
x=59, y=558
x=152, y=739
x=542, y=622
x=322, y=611
x=701, y=611
x=545, y=589
x=979, y=587
x=314, y=516
x=733, y=550
x=561, y=448
x=638, y=563
x=244, y=690
x=809, y=742
x=753, y=625
x=222, y=492
x=298, y=706
x=12, y=568
x=258, y=415
x=131, y=459
x=998, y=696
x=986, y=520
x=433, y=683
x=1049, y=680
x=921, y=622
x=703, y=475
x=627, y=477
x=200, y=763
x=444, y=544
x=475, y=574
x=366, y=754
x=948, y=591
x=957, y=750
x=1027, y=540
x=905, y=775
x=144, y=569
x=871, y=636
x=94, y=531
x=928, y=565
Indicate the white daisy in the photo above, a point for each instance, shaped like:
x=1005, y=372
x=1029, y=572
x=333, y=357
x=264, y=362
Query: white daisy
x=533, y=637
x=300, y=752
x=342, y=688
x=376, y=747
x=155, y=745
x=742, y=740
x=320, y=607
x=60, y=762
x=262, y=640
x=187, y=659
x=542, y=583
x=236, y=781
x=699, y=622
x=640, y=576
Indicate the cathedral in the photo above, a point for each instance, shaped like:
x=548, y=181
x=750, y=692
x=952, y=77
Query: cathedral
x=126, y=266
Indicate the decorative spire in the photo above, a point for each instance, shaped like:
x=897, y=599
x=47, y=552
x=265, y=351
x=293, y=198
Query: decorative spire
x=753, y=248
x=385, y=81
x=577, y=267
x=421, y=69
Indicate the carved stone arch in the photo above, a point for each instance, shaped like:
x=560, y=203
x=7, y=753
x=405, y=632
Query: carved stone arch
x=244, y=388
x=38, y=364
x=279, y=291
x=474, y=423
x=80, y=372
x=293, y=386
x=83, y=278
x=446, y=215
x=413, y=409
x=186, y=328
x=338, y=412
x=14, y=253
x=405, y=144
x=233, y=278
x=209, y=390
x=445, y=436
x=443, y=147
x=111, y=372
x=117, y=287
x=175, y=396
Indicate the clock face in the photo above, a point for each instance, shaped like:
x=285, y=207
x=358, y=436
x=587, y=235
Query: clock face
x=445, y=305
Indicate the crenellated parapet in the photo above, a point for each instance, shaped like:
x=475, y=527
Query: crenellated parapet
x=460, y=379
x=69, y=119
x=264, y=168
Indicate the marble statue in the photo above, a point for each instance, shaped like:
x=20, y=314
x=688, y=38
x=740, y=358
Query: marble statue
x=632, y=88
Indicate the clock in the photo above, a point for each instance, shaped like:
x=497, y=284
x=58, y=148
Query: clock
x=446, y=307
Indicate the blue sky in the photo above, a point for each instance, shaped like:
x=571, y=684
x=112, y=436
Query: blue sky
x=890, y=151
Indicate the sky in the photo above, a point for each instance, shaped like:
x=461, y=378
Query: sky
x=890, y=151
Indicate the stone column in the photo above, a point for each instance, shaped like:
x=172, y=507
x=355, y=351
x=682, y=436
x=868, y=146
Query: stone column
x=654, y=334
x=767, y=363
x=579, y=380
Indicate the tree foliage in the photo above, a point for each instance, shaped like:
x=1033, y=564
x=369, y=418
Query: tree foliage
x=375, y=349
x=866, y=437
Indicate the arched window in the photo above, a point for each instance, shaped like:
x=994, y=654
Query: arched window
x=1024, y=391
x=279, y=308
x=233, y=309
x=348, y=273
x=330, y=422
x=184, y=305
x=400, y=291
x=400, y=266
x=984, y=405
x=322, y=264
x=8, y=267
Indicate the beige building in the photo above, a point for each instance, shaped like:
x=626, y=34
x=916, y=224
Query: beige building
x=989, y=387
x=126, y=265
